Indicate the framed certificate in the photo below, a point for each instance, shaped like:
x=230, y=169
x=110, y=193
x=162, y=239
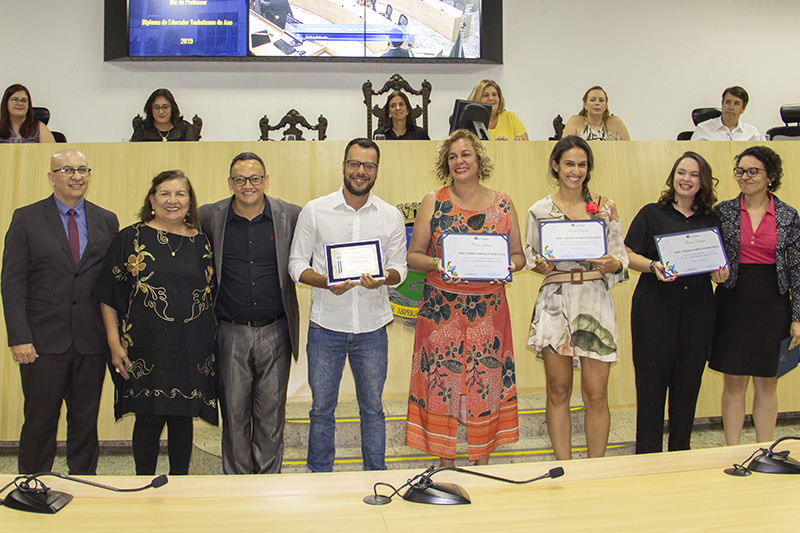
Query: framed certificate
x=694, y=252
x=347, y=261
x=572, y=240
x=476, y=256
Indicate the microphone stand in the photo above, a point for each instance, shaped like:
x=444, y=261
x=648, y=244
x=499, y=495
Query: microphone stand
x=422, y=489
x=32, y=495
x=772, y=462
x=426, y=491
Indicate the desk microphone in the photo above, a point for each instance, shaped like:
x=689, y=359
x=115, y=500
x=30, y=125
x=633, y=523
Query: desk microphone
x=32, y=495
x=768, y=461
x=422, y=489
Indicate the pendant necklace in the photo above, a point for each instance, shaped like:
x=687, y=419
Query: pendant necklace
x=166, y=238
x=164, y=136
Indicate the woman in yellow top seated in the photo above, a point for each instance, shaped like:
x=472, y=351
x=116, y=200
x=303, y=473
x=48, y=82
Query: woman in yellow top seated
x=503, y=125
x=594, y=122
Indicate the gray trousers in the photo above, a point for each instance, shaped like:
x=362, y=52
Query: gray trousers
x=253, y=372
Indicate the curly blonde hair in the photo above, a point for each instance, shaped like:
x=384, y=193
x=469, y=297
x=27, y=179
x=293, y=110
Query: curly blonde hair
x=441, y=167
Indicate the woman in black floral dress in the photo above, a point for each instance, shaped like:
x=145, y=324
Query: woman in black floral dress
x=156, y=290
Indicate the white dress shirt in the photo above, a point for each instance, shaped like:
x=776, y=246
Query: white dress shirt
x=714, y=130
x=329, y=220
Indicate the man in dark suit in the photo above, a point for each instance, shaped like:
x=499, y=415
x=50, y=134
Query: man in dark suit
x=53, y=252
x=257, y=314
x=276, y=11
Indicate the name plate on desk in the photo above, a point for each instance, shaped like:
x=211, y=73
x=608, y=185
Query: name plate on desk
x=475, y=256
x=572, y=240
x=348, y=261
x=694, y=252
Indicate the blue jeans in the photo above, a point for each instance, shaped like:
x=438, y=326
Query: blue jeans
x=368, y=354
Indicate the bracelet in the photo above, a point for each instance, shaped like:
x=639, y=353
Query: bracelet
x=621, y=267
x=653, y=265
x=434, y=263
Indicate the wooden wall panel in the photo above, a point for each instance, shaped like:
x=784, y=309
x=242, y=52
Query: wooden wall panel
x=631, y=173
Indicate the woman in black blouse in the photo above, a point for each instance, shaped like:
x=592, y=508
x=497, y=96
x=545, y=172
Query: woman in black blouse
x=163, y=120
x=397, y=123
x=672, y=319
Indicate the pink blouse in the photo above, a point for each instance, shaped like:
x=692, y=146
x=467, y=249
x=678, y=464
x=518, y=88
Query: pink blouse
x=758, y=247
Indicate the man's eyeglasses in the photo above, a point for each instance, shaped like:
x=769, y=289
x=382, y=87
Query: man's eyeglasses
x=15, y=100
x=69, y=171
x=752, y=172
x=354, y=164
x=255, y=181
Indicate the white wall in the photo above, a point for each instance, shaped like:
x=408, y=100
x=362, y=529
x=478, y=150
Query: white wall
x=658, y=61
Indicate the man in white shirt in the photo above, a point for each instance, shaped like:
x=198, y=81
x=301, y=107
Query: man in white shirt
x=348, y=320
x=728, y=127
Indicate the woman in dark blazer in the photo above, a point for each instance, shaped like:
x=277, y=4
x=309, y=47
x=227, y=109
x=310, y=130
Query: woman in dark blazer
x=754, y=309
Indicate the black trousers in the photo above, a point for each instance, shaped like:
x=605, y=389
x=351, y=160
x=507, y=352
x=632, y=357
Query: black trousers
x=672, y=325
x=147, y=440
x=68, y=377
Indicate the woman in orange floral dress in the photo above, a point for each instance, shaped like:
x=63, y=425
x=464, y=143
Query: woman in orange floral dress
x=463, y=368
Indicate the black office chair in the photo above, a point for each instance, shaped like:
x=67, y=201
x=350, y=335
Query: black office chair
x=42, y=114
x=701, y=114
x=790, y=113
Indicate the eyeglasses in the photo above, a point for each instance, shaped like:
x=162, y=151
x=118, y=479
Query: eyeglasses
x=751, y=172
x=354, y=164
x=15, y=100
x=255, y=181
x=69, y=171
x=165, y=107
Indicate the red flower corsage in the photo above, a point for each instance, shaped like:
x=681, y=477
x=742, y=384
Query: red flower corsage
x=592, y=208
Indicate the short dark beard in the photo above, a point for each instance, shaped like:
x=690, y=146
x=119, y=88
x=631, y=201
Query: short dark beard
x=354, y=192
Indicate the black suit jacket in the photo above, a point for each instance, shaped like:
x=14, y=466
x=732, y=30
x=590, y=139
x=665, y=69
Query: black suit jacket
x=284, y=219
x=47, y=300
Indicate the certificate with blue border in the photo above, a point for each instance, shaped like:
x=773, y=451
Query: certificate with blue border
x=349, y=260
x=572, y=240
x=476, y=256
x=692, y=252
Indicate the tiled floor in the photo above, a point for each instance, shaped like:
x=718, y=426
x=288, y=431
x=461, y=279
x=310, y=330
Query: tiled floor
x=117, y=460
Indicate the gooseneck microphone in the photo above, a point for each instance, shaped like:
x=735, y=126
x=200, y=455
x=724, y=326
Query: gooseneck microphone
x=31, y=494
x=422, y=489
x=767, y=461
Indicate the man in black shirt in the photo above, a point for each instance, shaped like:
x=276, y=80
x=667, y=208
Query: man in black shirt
x=257, y=315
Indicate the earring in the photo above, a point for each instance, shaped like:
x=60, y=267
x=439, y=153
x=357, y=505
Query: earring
x=152, y=211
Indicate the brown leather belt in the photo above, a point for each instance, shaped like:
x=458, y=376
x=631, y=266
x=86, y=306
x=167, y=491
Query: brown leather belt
x=576, y=276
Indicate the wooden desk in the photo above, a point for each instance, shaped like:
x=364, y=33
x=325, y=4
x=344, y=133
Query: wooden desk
x=660, y=492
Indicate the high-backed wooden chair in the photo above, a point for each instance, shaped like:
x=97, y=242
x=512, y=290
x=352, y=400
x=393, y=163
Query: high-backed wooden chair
x=558, y=128
x=197, y=124
x=293, y=119
x=396, y=83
